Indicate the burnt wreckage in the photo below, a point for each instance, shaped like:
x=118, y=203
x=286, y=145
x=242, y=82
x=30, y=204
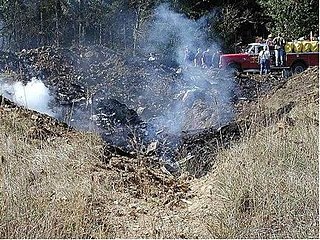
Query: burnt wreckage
x=137, y=106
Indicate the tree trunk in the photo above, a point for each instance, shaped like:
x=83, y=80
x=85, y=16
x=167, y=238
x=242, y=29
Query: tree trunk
x=41, y=27
x=100, y=34
x=124, y=37
x=57, y=24
x=80, y=24
x=15, y=29
x=136, y=30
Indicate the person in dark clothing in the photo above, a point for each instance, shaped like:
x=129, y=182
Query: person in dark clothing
x=279, y=44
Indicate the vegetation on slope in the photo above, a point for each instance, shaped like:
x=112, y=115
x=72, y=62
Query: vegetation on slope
x=267, y=185
x=59, y=183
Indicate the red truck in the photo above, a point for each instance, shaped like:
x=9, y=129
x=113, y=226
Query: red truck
x=248, y=60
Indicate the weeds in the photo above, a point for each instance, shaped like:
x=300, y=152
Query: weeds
x=264, y=185
x=267, y=186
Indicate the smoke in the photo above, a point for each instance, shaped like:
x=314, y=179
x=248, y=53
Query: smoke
x=190, y=98
x=170, y=33
x=34, y=95
x=202, y=96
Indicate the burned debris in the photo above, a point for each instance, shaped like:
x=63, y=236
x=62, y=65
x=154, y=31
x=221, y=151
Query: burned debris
x=138, y=106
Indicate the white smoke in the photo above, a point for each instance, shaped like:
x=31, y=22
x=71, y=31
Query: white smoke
x=170, y=33
x=34, y=95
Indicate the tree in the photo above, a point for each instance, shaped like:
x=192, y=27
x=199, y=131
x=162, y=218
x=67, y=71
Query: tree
x=232, y=18
x=142, y=11
x=291, y=17
x=96, y=18
x=122, y=24
x=234, y=22
x=13, y=18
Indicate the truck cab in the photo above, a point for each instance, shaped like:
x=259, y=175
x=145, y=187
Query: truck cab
x=255, y=48
x=248, y=59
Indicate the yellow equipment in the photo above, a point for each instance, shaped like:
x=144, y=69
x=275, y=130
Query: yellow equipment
x=288, y=47
x=306, y=46
x=297, y=46
x=314, y=46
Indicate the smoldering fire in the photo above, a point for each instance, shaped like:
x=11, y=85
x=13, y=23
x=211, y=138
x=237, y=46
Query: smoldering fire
x=198, y=97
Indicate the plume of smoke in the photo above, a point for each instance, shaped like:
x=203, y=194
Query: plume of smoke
x=170, y=33
x=34, y=95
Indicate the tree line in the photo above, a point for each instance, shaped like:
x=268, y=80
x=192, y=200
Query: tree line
x=122, y=24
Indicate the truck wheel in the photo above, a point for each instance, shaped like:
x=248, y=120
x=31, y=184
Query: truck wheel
x=298, y=67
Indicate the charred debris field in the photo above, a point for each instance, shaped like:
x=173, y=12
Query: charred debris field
x=141, y=131
x=138, y=106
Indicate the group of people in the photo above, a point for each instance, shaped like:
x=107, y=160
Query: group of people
x=203, y=59
x=278, y=45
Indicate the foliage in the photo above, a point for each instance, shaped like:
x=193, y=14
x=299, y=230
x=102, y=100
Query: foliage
x=121, y=24
x=292, y=18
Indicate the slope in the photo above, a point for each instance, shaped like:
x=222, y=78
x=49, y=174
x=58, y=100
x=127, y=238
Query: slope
x=60, y=183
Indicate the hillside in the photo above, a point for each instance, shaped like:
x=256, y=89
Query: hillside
x=261, y=178
x=267, y=184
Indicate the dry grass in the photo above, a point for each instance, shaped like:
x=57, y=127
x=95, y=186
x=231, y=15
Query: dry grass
x=56, y=186
x=265, y=186
x=45, y=183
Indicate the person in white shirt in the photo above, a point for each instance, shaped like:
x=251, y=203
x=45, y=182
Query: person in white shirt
x=264, y=60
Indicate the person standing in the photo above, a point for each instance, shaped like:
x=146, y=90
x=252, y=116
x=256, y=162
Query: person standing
x=198, y=58
x=216, y=58
x=269, y=40
x=207, y=58
x=188, y=56
x=270, y=45
x=264, y=60
x=279, y=44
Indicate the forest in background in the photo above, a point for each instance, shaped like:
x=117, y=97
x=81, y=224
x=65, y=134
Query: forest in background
x=254, y=176
x=122, y=25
